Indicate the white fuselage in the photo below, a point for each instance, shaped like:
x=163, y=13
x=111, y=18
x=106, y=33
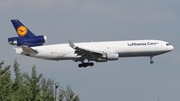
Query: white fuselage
x=130, y=48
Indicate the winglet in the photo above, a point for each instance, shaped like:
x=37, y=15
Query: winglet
x=71, y=44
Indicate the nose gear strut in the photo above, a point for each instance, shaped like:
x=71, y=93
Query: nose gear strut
x=151, y=60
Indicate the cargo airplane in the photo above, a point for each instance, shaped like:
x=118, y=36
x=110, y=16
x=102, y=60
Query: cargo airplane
x=84, y=52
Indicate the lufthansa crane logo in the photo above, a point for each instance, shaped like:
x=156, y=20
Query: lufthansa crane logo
x=22, y=30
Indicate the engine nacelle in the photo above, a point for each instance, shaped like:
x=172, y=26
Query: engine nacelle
x=30, y=41
x=108, y=56
x=112, y=56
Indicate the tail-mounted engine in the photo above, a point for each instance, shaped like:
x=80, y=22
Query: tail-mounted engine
x=29, y=41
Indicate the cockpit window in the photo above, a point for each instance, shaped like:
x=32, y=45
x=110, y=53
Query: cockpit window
x=167, y=44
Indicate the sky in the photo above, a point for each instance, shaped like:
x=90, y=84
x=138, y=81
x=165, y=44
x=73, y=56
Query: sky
x=128, y=79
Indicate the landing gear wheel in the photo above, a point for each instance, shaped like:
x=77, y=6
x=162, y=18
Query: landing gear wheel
x=91, y=64
x=80, y=65
x=85, y=64
x=151, y=62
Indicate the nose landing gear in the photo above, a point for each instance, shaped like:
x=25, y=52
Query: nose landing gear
x=151, y=60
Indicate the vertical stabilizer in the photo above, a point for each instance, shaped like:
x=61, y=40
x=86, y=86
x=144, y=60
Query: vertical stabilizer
x=21, y=29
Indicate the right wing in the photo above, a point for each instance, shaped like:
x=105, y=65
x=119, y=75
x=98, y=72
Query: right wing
x=86, y=53
x=84, y=49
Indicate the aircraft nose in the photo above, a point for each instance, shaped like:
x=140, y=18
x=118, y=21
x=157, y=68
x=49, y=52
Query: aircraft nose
x=171, y=47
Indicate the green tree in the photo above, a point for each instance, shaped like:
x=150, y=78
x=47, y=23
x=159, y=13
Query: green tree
x=68, y=94
x=25, y=87
x=33, y=85
x=47, y=90
x=2, y=71
x=5, y=83
x=19, y=89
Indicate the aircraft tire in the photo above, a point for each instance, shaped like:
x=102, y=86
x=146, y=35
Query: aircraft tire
x=80, y=65
x=85, y=64
x=91, y=64
x=151, y=62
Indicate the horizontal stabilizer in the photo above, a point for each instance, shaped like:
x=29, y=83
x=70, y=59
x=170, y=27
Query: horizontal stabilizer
x=18, y=50
x=28, y=49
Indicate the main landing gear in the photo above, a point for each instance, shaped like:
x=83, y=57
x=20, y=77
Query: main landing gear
x=86, y=64
x=151, y=60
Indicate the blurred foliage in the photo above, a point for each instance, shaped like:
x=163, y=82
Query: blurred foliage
x=25, y=87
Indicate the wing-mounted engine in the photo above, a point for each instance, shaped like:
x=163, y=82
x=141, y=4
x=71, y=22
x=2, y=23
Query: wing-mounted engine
x=29, y=41
x=108, y=57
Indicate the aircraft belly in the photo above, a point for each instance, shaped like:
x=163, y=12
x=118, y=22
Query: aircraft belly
x=55, y=56
x=138, y=53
